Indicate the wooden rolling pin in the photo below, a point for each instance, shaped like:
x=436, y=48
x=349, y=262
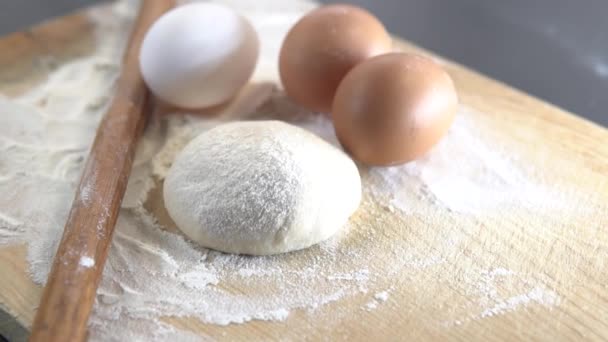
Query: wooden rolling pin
x=70, y=290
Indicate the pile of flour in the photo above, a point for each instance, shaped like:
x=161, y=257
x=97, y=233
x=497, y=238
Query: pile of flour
x=153, y=272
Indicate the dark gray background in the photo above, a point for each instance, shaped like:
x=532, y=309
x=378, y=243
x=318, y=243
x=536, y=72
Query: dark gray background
x=554, y=49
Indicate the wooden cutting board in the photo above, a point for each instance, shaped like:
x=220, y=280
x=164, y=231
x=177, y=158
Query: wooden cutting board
x=567, y=258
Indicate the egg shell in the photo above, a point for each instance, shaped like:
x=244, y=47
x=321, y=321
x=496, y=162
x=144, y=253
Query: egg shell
x=393, y=108
x=322, y=47
x=198, y=55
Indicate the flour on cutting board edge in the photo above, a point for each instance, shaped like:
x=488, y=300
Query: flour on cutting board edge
x=152, y=273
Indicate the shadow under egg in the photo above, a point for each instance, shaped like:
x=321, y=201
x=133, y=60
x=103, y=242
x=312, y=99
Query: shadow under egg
x=245, y=102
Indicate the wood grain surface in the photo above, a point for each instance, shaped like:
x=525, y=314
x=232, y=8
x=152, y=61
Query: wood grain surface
x=569, y=257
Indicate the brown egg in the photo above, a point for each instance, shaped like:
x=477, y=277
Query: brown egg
x=393, y=108
x=323, y=47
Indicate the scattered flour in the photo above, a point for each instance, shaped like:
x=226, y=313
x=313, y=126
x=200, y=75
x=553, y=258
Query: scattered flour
x=381, y=296
x=371, y=305
x=480, y=179
x=86, y=261
x=85, y=193
x=377, y=299
x=153, y=272
x=538, y=295
x=491, y=301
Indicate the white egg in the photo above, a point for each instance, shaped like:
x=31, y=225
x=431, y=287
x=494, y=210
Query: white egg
x=198, y=55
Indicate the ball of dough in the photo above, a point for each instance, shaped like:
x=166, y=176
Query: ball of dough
x=198, y=55
x=260, y=188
